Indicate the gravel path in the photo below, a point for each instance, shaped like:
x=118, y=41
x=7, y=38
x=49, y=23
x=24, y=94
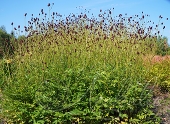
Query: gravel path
x=162, y=107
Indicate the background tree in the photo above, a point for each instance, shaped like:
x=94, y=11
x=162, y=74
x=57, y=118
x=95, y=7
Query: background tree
x=162, y=46
x=6, y=46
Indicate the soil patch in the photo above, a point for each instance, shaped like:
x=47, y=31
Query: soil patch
x=161, y=102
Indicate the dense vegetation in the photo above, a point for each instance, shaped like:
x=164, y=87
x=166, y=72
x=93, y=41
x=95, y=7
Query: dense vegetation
x=83, y=70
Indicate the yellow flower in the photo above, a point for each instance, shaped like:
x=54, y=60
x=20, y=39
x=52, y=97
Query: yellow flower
x=6, y=111
x=8, y=61
x=30, y=53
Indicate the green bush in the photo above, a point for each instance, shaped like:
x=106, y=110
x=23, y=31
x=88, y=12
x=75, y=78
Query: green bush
x=88, y=94
x=78, y=74
x=160, y=75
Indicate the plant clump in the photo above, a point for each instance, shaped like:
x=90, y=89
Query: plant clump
x=80, y=69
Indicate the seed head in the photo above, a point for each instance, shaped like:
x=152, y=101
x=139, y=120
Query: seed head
x=120, y=15
x=160, y=17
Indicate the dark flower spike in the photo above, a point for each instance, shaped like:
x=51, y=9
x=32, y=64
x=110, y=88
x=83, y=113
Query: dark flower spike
x=12, y=23
x=160, y=17
x=25, y=14
x=48, y=4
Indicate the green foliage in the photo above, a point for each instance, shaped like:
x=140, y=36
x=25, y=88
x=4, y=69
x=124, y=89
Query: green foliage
x=89, y=95
x=78, y=74
x=6, y=46
x=21, y=38
x=162, y=46
x=160, y=75
x=1, y=73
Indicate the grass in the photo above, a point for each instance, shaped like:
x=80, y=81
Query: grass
x=79, y=70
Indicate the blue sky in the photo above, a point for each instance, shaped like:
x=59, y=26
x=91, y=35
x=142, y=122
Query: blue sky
x=14, y=10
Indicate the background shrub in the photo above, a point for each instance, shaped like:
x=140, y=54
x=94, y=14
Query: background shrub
x=159, y=74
